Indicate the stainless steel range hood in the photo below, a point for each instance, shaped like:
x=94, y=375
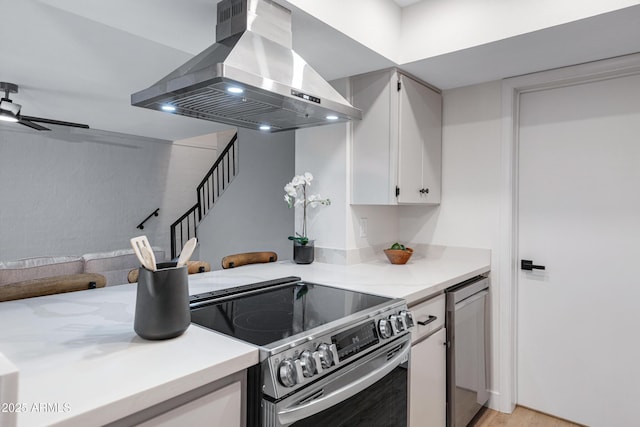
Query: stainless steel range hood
x=250, y=77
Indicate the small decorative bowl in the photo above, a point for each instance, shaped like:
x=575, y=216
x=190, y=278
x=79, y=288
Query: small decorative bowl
x=398, y=256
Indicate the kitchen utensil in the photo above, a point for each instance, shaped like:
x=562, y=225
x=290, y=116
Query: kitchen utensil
x=162, y=302
x=187, y=251
x=143, y=251
x=136, y=250
x=150, y=257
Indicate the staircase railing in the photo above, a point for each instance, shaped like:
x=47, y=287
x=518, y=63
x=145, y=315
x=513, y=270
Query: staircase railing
x=183, y=229
x=209, y=190
x=154, y=213
x=218, y=178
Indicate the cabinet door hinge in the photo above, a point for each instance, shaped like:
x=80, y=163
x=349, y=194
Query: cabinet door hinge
x=397, y=191
x=399, y=85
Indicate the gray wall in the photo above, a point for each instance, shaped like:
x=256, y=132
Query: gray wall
x=74, y=192
x=252, y=214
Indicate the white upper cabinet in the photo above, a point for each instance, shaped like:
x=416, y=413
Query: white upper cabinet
x=420, y=142
x=397, y=146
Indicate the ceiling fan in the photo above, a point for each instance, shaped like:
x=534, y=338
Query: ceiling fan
x=10, y=112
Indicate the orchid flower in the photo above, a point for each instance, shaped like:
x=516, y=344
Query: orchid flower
x=296, y=195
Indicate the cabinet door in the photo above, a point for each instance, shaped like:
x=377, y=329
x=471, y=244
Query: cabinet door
x=222, y=408
x=427, y=382
x=374, y=148
x=419, y=143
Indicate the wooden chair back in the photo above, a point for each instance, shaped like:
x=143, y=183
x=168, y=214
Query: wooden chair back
x=236, y=260
x=51, y=285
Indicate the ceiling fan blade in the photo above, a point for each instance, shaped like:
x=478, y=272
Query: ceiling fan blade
x=54, y=122
x=30, y=124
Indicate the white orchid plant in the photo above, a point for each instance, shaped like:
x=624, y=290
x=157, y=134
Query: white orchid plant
x=296, y=195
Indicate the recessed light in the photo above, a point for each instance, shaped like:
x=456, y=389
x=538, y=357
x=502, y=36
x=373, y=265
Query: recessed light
x=168, y=107
x=332, y=117
x=235, y=89
x=265, y=127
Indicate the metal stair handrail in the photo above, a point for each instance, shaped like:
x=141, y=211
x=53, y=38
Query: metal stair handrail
x=215, y=182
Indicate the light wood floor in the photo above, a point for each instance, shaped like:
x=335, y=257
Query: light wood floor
x=521, y=417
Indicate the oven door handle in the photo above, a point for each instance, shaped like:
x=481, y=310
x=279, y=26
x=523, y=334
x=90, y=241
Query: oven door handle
x=360, y=382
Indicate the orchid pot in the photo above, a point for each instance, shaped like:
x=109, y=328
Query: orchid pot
x=303, y=254
x=296, y=195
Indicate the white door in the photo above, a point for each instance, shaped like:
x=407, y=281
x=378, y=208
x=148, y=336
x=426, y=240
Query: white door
x=578, y=342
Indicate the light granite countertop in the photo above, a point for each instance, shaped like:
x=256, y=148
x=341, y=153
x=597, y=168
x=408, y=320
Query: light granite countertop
x=79, y=350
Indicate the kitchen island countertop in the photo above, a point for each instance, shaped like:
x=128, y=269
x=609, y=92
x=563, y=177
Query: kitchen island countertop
x=79, y=352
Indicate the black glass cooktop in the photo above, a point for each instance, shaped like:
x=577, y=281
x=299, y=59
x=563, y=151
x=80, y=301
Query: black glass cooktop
x=272, y=313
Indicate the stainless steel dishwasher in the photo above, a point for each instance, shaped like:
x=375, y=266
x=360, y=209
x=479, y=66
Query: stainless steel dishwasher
x=467, y=344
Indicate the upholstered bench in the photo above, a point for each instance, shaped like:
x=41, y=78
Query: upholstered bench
x=113, y=265
x=38, y=268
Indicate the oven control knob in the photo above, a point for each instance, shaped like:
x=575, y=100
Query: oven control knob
x=287, y=373
x=396, y=324
x=325, y=355
x=407, y=317
x=307, y=363
x=384, y=327
x=316, y=359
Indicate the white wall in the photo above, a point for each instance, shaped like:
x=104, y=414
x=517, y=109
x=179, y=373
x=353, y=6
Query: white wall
x=383, y=227
x=68, y=193
x=467, y=215
x=321, y=151
x=251, y=215
x=373, y=23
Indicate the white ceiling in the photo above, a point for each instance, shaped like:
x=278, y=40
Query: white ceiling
x=80, y=60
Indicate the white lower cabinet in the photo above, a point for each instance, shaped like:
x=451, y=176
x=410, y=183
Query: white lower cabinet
x=428, y=369
x=222, y=407
x=218, y=403
x=428, y=383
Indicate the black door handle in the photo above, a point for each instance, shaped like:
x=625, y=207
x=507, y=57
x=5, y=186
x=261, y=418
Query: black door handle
x=526, y=264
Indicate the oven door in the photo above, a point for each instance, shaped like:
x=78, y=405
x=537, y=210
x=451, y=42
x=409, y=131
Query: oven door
x=371, y=391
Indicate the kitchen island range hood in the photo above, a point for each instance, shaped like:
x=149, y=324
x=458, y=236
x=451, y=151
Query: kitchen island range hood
x=250, y=77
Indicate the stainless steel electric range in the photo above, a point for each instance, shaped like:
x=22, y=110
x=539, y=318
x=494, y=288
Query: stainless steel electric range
x=328, y=356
